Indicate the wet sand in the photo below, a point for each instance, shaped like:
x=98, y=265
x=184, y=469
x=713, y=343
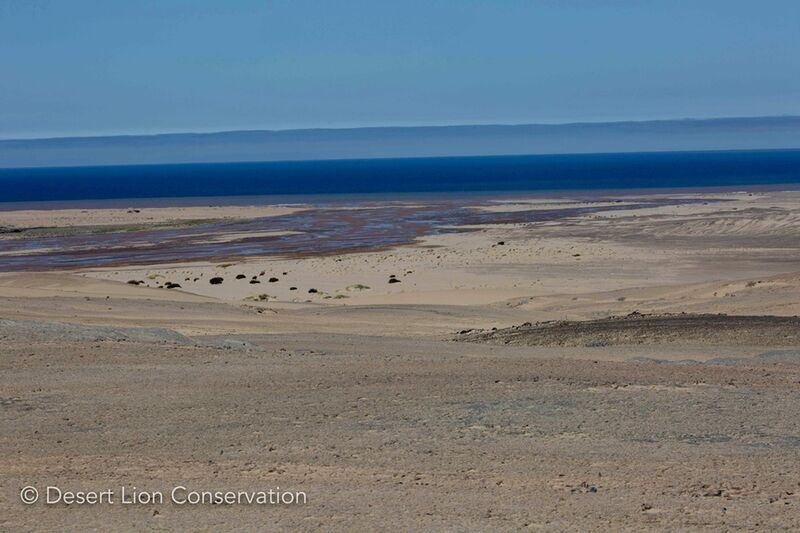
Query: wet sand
x=157, y=239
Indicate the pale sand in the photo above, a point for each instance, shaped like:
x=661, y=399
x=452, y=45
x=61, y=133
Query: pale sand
x=607, y=251
x=500, y=206
x=734, y=257
x=368, y=403
x=59, y=218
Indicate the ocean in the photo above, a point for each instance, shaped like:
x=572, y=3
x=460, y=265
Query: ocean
x=422, y=175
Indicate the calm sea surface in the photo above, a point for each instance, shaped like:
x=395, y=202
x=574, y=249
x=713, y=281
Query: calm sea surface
x=424, y=175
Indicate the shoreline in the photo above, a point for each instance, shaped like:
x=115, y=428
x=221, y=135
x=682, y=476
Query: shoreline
x=337, y=199
x=132, y=236
x=442, y=251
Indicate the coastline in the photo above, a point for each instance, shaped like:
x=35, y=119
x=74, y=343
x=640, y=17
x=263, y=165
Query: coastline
x=447, y=251
x=630, y=329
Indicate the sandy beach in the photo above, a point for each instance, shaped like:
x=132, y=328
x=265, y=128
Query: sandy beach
x=618, y=362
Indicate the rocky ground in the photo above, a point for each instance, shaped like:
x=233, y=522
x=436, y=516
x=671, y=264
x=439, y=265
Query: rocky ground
x=378, y=432
x=637, y=328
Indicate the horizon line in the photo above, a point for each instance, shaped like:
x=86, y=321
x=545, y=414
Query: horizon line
x=398, y=158
x=389, y=127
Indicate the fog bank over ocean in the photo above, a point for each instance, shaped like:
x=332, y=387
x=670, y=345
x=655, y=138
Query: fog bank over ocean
x=393, y=142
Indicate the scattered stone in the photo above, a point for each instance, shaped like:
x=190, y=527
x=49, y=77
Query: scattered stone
x=216, y=281
x=232, y=344
x=638, y=328
x=240, y=276
x=135, y=282
x=273, y=280
x=258, y=298
x=312, y=291
x=584, y=488
x=254, y=281
x=292, y=288
x=394, y=280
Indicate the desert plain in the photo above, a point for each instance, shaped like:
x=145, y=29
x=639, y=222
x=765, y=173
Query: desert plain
x=616, y=362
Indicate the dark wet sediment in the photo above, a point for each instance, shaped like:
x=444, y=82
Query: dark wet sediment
x=319, y=231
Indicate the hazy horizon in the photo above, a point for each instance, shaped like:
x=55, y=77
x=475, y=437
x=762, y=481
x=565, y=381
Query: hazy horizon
x=215, y=131
x=742, y=133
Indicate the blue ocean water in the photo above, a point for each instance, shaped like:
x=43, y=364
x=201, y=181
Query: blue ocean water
x=443, y=174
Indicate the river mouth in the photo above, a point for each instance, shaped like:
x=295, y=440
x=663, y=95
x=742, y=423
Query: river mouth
x=322, y=230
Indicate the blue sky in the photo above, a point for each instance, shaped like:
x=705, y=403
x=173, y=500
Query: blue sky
x=111, y=67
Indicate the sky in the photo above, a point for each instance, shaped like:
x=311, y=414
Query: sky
x=111, y=67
